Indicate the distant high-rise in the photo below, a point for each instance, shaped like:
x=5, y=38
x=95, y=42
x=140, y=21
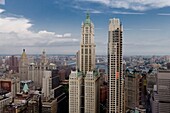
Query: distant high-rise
x=115, y=68
x=23, y=66
x=36, y=71
x=13, y=64
x=44, y=60
x=84, y=87
x=160, y=101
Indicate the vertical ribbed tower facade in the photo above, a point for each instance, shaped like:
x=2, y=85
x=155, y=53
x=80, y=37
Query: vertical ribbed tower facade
x=75, y=92
x=87, y=66
x=92, y=92
x=87, y=46
x=84, y=85
x=115, y=68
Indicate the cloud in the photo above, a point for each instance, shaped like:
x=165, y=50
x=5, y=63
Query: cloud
x=13, y=24
x=147, y=46
x=67, y=35
x=15, y=32
x=163, y=14
x=127, y=13
x=139, y=5
x=87, y=9
x=46, y=33
x=150, y=29
x=2, y=2
x=1, y=11
x=96, y=11
x=142, y=29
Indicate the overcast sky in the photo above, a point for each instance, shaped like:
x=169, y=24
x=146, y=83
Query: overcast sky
x=55, y=25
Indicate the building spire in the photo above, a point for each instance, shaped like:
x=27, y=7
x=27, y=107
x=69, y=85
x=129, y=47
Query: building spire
x=43, y=57
x=87, y=21
x=88, y=15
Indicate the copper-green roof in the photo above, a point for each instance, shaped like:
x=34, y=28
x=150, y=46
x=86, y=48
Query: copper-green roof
x=79, y=73
x=87, y=21
x=25, y=88
x=95, y=73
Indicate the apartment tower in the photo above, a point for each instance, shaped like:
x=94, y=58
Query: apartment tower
x=115, y=68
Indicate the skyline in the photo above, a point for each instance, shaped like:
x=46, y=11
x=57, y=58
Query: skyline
x=55, y=25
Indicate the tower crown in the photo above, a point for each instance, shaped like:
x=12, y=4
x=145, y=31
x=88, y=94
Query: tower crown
x=24, y=55
x=88, y=21
x=43, y=52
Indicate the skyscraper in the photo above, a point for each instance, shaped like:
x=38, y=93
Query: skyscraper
x=115, y=68
x=23, y=66
x=36, y=70
x=84, y=85
x=87, y=46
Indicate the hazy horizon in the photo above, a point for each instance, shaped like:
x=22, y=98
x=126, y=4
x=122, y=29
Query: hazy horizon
x=55, y=25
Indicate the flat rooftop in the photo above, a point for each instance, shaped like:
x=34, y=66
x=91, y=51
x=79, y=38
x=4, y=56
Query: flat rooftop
x=163, y=74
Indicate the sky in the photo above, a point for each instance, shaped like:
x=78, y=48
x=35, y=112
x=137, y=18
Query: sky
x=55, y=25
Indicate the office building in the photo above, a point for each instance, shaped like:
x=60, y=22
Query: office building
x=36, y=70
x=33, y=70
x=92, y=92
x=87, y=46
x=75, y=91
x=115, y=68
x=160, y=100
x=23, y=66
x=78, y=60
x=52, y=91
x=25, y=102
x=133, y=90
x=62, y=73
x=84, y=91
x=10, y=83
x=5, y=99
x=13, y=64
